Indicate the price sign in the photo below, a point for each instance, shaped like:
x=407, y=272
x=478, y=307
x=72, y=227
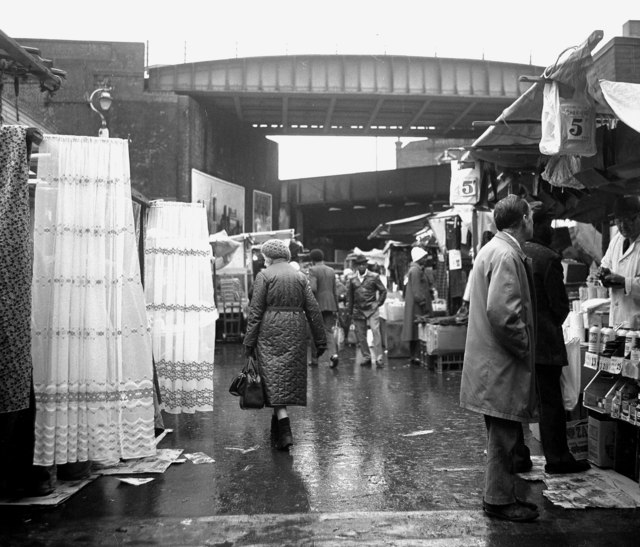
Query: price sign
x=465, y=184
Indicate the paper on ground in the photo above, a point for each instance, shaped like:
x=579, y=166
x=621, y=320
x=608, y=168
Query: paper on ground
x=243, y=450
x=159, y=463
x=416, y=433
x=135, y=481
x=64, y=490
x=593, y=488
x=199, y=457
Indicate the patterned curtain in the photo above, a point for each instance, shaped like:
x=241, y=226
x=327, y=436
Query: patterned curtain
x=179, y=292
x=15, y=271
x=91, y=342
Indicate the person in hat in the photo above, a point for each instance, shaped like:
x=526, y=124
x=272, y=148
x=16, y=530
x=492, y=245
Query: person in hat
x=417, y=301
x=498, y=374
x=322, y=279
x=620, y=266
x=281, y=307
x=365, y=294
x=552, y=308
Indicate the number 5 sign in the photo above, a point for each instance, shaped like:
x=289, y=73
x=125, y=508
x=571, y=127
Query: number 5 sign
x=464, y=187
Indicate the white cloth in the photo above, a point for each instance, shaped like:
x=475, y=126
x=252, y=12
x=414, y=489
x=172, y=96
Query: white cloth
x=624, y=100
x=179, y=292
x=91, y=342
x=625, y=303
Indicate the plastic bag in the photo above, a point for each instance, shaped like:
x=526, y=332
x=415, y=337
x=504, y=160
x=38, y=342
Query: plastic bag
x=570, y=378
x=568, y=124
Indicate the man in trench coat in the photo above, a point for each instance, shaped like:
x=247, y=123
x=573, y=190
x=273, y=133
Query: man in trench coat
x=498, y=375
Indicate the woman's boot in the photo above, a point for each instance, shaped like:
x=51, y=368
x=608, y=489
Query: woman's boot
x=274, y=429
x=285, y=439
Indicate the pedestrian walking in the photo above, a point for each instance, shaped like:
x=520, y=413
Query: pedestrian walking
x=552, y=308
x=417, y=301
x=281, y=307
x=498, y=375
x=366, y=293
x=322, y=279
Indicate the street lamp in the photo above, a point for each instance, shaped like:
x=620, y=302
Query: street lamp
x=104, y=102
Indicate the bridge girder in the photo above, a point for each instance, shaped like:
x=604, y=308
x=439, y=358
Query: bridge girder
x=354, y=95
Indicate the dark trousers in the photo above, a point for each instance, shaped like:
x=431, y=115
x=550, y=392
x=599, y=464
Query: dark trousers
x=553, y=417
x=502, y=437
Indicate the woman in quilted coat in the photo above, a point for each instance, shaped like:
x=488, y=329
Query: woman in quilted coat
x=281, y=305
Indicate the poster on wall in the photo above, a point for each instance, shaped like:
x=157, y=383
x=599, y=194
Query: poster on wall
x=261, y=211
x=224, y=202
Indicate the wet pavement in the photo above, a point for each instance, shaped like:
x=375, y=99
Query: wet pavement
x=353, y=477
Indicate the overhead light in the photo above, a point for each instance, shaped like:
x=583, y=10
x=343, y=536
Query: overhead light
x=410, y=203
x=381, y=205
x=331, y=209
x=359, y=207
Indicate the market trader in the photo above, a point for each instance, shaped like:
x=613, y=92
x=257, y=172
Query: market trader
x=620, y=267
x=365, y=294
x=417, y=302
x=498, y=375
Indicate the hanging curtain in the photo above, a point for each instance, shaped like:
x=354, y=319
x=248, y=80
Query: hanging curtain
x=15, y=271
x=179, y=293
x=91, y=342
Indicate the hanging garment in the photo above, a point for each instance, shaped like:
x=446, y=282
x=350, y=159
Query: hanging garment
x=180, y=304
x=90, y=333
x=15, y=271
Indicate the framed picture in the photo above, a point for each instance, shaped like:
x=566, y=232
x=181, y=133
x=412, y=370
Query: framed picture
x=223, y=200
x=262, y=211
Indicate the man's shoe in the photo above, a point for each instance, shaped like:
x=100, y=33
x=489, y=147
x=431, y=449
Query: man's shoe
x=523, y=466
x=312, y=364
x=334, y=361
x=514, y=512
x=379, y=363
x=366, y=363
x=576, y=466
x=526, y=503
x=415, y=361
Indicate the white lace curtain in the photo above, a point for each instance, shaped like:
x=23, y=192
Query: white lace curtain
x=91, y=342
x=180, y=304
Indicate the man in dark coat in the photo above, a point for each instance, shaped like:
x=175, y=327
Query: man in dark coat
x=365, y=294
x=552, y=308
x=322, y=279
x=417, y=301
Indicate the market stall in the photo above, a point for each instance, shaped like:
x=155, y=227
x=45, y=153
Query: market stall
x=572, y=141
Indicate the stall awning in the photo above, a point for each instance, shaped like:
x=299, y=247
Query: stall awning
x=402, y=229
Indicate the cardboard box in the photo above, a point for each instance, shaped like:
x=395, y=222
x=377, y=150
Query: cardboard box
x=578, y=439
x=602, y=441
x=445, y=338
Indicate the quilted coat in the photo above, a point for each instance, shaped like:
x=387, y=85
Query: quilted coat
x=281, y=305
x=498, y=376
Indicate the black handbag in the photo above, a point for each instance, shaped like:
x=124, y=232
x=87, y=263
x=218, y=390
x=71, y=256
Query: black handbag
x=248, y=386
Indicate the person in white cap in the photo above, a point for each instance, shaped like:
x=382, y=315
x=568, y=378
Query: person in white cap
x=417, y=301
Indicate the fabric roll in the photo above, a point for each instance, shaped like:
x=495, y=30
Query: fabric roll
x=91, y=341
x=15, y=271
x=180, y=304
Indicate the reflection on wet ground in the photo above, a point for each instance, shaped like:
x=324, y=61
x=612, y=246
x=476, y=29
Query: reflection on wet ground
x=353, y=454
